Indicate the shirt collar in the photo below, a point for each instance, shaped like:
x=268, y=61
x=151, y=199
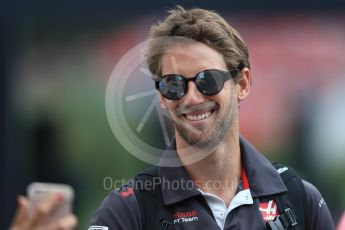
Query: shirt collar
x=183, y=188
x=263, y=178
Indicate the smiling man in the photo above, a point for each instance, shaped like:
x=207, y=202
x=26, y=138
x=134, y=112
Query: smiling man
x=214, y=115
x=202, y=72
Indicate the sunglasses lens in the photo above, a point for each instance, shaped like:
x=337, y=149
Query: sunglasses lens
x=210, y=82
x=172, y=87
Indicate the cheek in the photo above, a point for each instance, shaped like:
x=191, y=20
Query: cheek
x=171, y=105
x=228, y=91
x=228, y=87
x=225, y=97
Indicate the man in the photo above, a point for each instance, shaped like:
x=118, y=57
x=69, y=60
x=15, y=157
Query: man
x=202, y=73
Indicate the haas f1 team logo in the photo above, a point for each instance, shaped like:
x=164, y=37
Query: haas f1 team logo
x=183, y=217
x=269, y=210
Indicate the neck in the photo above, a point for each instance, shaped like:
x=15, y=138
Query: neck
x=220, y=166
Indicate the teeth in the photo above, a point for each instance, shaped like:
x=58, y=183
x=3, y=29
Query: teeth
x=198, y=117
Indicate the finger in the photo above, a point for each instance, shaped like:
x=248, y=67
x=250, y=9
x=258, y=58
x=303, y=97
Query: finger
x=66, y=223
x=22, y=211
x=45, y=208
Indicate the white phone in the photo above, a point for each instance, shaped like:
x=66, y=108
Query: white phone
x=38, y=191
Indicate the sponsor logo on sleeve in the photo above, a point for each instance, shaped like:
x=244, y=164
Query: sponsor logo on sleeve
x=322, y=202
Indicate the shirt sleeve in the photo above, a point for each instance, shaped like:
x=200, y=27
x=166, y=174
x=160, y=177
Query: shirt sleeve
x=318, y=215
x=119, y=210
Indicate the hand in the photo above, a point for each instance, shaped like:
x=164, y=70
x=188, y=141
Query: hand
x=24, y=221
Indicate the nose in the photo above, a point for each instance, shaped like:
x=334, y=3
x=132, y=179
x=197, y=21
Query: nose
x=193, y=95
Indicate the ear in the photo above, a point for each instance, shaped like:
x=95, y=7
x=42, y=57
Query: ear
x=162, y=100
x=243, y=84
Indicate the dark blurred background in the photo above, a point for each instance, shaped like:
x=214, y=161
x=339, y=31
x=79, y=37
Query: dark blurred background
x=56, y=58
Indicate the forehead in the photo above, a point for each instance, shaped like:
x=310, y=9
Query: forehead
x=190, y=58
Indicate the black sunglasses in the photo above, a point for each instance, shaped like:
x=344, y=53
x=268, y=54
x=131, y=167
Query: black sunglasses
x=208, y=82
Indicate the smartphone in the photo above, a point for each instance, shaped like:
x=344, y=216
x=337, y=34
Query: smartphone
x=38, y=191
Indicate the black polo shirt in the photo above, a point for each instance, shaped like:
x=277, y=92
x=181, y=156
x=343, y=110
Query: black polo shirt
x=120, y=209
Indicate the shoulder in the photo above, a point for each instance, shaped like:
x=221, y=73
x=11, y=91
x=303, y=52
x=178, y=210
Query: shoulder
x=317, y=213
x=119, y=210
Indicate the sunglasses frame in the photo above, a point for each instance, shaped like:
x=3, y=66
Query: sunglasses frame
x=227, y=75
